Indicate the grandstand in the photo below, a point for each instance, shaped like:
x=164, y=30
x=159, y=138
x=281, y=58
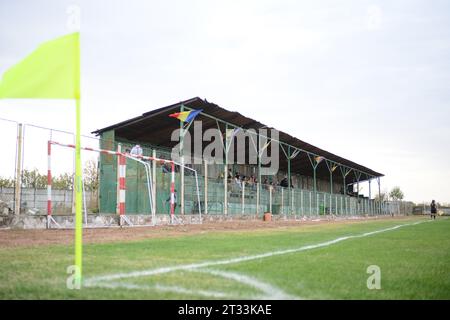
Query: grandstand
x=309, y=181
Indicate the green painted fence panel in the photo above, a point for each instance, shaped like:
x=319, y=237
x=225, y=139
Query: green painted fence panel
x=108, y=175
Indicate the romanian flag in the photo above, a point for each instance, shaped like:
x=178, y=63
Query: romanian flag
x=186, y=116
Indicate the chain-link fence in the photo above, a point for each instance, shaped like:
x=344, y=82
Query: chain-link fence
x=7, y=167
x=24, y=169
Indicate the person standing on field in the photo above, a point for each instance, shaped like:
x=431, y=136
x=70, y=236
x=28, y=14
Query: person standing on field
x=174, y=200
x=433, y=210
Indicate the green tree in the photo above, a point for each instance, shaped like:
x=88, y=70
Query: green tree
x=6, y=183
x=396, y=194
x=33, y=179
x=383, y=196
x=91, y=175
x=63, y=182
x=91, y=183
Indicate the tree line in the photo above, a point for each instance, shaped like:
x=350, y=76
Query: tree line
x=396, y=194
x=33, y=179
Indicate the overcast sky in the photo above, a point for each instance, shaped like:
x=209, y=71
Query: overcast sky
x=367, y=80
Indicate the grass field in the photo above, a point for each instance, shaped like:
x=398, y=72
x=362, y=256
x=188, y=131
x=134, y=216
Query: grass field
x=272, y=263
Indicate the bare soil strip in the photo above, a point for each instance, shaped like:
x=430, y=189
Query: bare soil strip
x=30, y=238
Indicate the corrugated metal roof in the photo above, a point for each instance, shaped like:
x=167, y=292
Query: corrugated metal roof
x=155, y=127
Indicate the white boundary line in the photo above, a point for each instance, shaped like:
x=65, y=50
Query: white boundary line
x=93, y=280
x=268, y=291
x=176, y=289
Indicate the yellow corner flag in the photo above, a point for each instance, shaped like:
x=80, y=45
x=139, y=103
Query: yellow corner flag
x=52, y=71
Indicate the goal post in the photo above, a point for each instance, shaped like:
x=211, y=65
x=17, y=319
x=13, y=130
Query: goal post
x=121, y=189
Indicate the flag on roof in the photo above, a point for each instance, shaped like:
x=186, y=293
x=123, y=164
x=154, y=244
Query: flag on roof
x=232, y=132
x=186, y=116
x=318, y=159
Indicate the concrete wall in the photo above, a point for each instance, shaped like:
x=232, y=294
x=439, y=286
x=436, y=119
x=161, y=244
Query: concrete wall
x=112, y=220
x=34, y=201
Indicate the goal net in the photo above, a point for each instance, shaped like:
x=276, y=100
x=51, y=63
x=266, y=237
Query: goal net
x=162, y=198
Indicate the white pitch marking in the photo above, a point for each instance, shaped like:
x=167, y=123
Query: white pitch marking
x=206, y=293
x=176, y=289
x=205, y=264
x=269, y=291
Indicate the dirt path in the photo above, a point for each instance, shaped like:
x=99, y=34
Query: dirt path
x=26, y=238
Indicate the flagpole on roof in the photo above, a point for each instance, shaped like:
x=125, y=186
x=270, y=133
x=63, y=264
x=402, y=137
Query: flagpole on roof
x=186, y=119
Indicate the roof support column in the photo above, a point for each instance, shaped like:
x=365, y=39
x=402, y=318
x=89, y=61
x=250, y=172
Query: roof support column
x=358, y=177
x=345, y=171
x=314, y=163
x=379, y=194
x=258, y=191
x=379, y=187
x=370, y=196
x=225, y=174
x=288, y=157
x=331, y=167
x=289, y=179
x=206, y=186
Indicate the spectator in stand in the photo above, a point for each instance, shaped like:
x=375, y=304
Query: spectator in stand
x=230, y=174
x=253, y=183
x=274, y=183
x=237, y=180
x=166, y=168
x=136, y=150
x=284, y=183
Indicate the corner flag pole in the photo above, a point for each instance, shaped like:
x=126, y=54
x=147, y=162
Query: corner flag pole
x=78, y=176
x=78, y=196
x=78, y=180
